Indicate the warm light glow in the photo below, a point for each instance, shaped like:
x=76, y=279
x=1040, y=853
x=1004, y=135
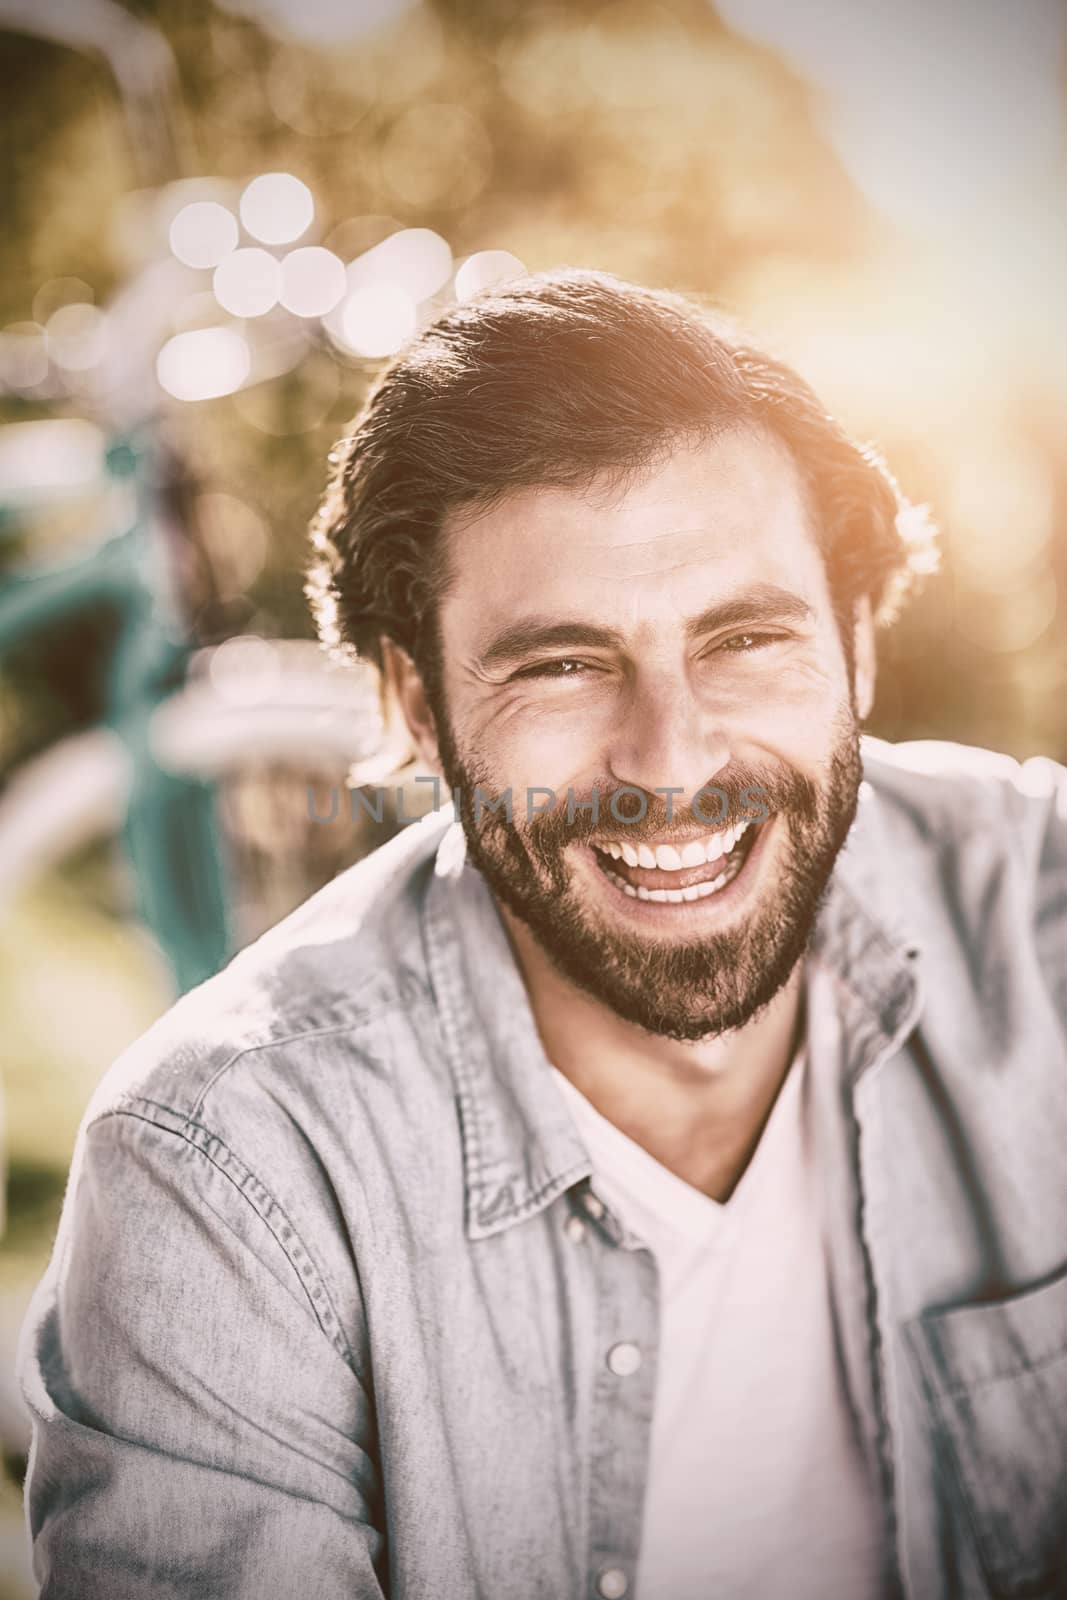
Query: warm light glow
x=77, y=337
x=322, y=23
x=482, y=270
x=52, y=457
x=436, y=154
x=1000, y=484
x=377, y=320
x=203, y=363
x=246, y=670
x=313, y=281
x=1011, y=620
x=416, y=260
x=237, y=540
x=58, y=292
x=203, y=233
x=277, y=208
x=936, y=110
x=23, y=356
x=248, y=283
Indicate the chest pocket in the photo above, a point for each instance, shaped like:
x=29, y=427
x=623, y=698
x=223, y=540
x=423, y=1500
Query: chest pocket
x=995, y=1375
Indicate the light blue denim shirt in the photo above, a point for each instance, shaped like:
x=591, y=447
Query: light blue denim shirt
x=329, y=1306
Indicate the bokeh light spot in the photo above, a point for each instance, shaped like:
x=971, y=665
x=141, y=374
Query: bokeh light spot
x=485, y=268
x=77, y=337
x=248, y=283
x=377, y=320
x=203, y=363
x=313, y=281
x=416, y=260
x=203, y=233
x=60, y=292
x=277, y=208
x=23, y=356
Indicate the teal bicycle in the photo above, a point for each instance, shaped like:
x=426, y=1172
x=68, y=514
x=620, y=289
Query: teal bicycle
x=180, y=718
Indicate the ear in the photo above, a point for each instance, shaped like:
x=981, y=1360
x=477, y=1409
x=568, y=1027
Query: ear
x=864, y=657
x=403, y=683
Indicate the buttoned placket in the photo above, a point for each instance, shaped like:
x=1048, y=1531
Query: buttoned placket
x=490, y=1034
x=627, y=1334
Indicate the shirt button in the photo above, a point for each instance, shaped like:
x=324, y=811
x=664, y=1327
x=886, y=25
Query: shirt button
x=624, y=1359
x=612, y=1583
x=594, y=1206
x=574, y=1228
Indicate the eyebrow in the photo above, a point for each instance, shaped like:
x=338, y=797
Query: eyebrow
x=763, y=602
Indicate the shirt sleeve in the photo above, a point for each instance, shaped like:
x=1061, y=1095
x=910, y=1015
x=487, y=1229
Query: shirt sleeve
x=197, y=1430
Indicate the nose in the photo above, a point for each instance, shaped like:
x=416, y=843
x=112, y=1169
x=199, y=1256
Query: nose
x=667, y=739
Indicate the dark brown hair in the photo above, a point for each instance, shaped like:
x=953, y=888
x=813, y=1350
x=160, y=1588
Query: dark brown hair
x=556, y=379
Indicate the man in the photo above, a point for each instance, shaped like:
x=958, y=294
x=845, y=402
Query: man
x=650, y=1184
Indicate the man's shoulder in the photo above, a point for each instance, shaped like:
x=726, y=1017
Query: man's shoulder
x=342, y=964
x=948, y=791
x=951, y=829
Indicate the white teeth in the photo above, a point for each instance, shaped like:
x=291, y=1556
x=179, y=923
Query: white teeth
x=669, y=858
x=696, y=891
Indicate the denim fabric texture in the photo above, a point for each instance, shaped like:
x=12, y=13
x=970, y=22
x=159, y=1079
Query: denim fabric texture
x=329, y=1306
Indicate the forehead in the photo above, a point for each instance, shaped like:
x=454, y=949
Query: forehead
x=710, y=518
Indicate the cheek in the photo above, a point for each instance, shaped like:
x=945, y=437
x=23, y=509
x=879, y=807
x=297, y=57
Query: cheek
x=803, y=701
x=781, y=684
x=796, y=715
x=545, y=745
x=810, y=686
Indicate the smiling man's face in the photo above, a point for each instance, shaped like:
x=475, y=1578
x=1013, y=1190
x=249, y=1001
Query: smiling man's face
x=675, y=634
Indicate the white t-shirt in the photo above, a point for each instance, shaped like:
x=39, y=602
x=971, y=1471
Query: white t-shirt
x=756, y=1486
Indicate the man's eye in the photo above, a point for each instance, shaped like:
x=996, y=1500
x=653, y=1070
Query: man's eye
x=564, y=667
x=745, y=642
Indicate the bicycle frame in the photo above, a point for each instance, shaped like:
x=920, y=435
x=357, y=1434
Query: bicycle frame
x=169, y=832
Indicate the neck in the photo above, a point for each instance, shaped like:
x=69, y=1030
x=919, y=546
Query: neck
x=699, y=1108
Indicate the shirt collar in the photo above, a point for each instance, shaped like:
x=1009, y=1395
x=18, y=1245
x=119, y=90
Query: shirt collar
x=520, y=1145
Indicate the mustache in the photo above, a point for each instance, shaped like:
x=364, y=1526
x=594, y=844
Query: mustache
x=734, y=794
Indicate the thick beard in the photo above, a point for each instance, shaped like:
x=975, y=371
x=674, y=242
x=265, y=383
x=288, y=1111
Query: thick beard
x=669, y=988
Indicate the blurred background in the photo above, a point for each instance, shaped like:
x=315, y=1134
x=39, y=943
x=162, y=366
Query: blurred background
x=221, y=217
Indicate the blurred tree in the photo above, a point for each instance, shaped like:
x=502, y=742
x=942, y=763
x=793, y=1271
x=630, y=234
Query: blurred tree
x=643, y=138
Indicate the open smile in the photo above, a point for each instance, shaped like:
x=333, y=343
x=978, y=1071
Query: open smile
x=675, y=876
